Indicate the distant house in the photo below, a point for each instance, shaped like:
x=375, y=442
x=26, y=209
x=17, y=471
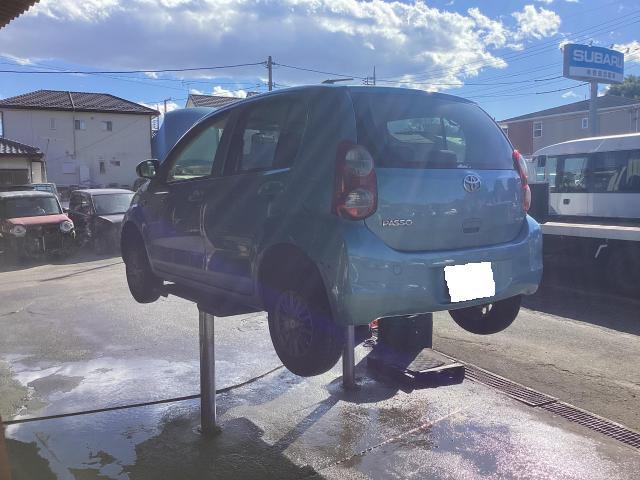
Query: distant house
x=90, y=139
x=215, y=101
x=530, y=132
x=20, y=164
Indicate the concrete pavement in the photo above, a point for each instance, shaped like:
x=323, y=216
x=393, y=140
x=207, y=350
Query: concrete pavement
x=73, y=339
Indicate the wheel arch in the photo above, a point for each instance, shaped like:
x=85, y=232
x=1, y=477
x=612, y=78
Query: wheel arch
x=283, y=261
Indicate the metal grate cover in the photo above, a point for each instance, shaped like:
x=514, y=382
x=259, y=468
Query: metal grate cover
x=594, y=422
x=513, y=389
x=533, y=398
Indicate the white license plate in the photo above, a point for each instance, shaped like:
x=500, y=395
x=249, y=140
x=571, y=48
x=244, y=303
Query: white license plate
x=470, y=281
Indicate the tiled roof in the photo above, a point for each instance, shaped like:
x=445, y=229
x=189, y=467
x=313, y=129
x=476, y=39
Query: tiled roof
x=606, y=101
x=216, y=101
x=10, y=9
x=9, y=147
x=75, y=101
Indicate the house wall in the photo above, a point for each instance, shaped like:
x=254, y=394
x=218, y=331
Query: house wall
x=73, y=157
x=556, y=129
x=13, y=163
x=521, y=137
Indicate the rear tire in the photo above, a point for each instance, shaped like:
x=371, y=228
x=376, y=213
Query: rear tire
x=143, y=284
x=302, y=328
x=488, y=318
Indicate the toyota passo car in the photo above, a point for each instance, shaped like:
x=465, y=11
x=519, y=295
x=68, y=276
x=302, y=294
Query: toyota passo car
x=330, y=206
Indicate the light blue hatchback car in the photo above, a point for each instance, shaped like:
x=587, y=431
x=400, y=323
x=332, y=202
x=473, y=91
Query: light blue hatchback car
x=332, y=205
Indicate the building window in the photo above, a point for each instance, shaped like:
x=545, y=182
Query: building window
x=52, y=123
x=103, y=168
x=1, y=126
x=505, y=129
x=107, y=126
x=537, y=129
x=80, y=125
x=585, y=123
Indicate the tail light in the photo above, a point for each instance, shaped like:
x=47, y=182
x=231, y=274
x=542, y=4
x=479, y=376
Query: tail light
x=521, y=167
x=356, y=190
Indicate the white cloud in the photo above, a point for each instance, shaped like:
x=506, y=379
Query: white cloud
x=87, y=10
x=548, y=2
x=17, y=60
x=411, y=39
x=570, y=94
x=536, y=23
x=631, y=51
x=223, y=92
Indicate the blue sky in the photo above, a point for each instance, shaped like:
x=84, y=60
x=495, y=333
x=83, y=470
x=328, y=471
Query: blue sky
x=504, y=55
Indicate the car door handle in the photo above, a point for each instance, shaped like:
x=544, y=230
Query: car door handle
x=566, y=201
x=271, y=189
x=195, y=196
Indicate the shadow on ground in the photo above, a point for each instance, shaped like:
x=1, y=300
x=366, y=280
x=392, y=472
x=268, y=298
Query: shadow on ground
x=574, y=292
x=83, y=255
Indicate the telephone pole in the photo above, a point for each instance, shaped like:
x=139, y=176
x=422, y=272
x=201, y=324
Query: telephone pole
x=374, y=75
x=270, y=68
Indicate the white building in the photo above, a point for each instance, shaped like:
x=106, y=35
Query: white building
x=88, y=139
x=20, y=164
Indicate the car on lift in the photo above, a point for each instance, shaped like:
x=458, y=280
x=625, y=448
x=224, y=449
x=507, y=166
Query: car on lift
x=97, y=214
x=330, y=206
x=32, y=225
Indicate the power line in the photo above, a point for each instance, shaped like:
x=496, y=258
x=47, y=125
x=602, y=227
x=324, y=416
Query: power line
x=293, y=67
x=112, y=72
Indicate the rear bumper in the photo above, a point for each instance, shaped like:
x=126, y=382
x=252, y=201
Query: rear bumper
x=381, y=282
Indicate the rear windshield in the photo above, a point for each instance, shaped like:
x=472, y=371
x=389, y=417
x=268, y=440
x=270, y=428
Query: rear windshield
x=414, y=131
x=108, y=204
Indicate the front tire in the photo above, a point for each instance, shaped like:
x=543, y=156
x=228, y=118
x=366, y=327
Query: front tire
x=488, y=318
x=143, y=284
x=302, y=328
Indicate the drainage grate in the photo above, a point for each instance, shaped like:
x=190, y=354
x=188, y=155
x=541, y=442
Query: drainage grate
x=599, y=424
x=513, y=389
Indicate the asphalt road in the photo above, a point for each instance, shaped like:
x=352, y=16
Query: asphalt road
x=71, y=339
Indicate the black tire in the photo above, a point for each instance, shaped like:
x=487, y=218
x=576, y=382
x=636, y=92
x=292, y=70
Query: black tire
x=302, y=329
x=488, y=318
x=144, y=286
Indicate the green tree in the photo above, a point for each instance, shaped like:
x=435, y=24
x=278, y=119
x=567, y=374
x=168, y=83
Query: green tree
x=630, y=88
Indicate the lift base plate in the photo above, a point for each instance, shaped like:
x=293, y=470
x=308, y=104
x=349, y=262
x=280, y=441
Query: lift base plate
x=422, y=367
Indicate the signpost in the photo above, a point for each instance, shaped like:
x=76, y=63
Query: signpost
x=594, y=65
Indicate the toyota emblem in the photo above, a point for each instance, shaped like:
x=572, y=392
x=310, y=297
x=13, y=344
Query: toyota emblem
x=471, y=183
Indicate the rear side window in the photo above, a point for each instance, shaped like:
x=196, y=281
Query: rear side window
x=415, y=131
x=270, y=134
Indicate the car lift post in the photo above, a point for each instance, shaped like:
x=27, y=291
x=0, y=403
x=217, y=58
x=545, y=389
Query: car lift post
x=208, y=424
x=348, y=359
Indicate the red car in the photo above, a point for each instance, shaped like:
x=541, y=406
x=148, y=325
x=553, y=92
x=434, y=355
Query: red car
x=33, y=224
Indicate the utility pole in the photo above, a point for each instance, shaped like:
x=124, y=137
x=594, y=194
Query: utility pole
x=270, y=68
x=374, y=75
x=593, y=110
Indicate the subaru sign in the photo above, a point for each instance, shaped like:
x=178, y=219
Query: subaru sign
x=593, y=64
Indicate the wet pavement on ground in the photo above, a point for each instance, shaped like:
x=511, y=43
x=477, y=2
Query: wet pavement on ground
x=78, y=343
x=283, y=426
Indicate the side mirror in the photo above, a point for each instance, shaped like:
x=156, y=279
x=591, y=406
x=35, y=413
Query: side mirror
x=542, y=161
x=148, y=168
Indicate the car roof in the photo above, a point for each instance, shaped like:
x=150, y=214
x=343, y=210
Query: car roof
x=608, y=143
x=26, y=193
x=348, y=88
x=102, y=191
